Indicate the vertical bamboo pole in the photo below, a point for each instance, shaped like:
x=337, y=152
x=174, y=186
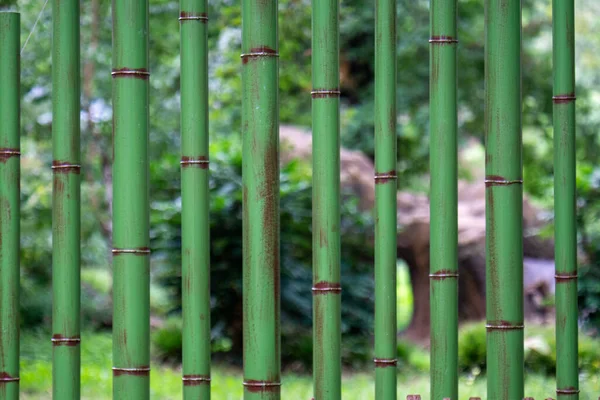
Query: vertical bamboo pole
x=444, y=204
x=385, y=200
x=326, y=200
x=260, y=165
x=131, y=288
x=195, y=220
x=9, y=201
x=504, y=200
x=65, y=200
x=563, y=40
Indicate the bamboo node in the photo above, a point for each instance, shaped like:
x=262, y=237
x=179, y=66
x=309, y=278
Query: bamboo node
x=500, y=181
x=59, y=340
x=200, y=161
x=4, y=377
x=413, y=397
x=326, y=287
x=258, y=54
x=7, y=153
x=139, y=371
x=443, y=40
x=58, y=166
x=139, y=250
x=261, y=383
x=560, y=277
x=325, y=93
x=503, y=326
x=570, y=390
x=195, y=380
x=383, y=177
x=254, y=386
x=140, y=73
x=191, y=16
x=385, y=362
x=443, y=275
x=564, y=98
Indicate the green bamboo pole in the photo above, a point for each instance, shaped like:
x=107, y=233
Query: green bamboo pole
x=65, y=200
x=504, y=200
x=195, y=199
x=131, y=287
x=444, y=204
x=567, y=372
x=385, y=200
x=9, y=199
x=260, y=166
x=326, y=201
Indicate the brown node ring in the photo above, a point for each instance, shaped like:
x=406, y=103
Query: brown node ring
x=6, y=153
x=67, y=341
x=564, y=98
x=141, y=250
x=502, y=182
x=385, y=362
x=503, y=327
x=194, y=162
x=567, y=391
x=257, y=54
x=325, y=287
x=139, y=371
x=140, y=73
x=565, y=277
x=4, y=377
x=325, y=93
x=444, y=275
x=201, y=378
x=186, y=16
x=443, y=40
x=385, y=176
x=66, y=167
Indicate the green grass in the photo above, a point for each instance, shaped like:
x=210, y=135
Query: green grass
x=36, y=377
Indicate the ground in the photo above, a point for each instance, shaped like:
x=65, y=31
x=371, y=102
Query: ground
x=36, y=377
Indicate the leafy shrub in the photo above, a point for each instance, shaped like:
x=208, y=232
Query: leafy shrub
x=472, y=347
x=539, y=350
x=295, y=255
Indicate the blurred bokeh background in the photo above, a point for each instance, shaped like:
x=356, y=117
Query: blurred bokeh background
x=356, y=73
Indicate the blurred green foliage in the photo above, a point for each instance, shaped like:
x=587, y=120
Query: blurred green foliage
x=540, y=350
x=356, y=48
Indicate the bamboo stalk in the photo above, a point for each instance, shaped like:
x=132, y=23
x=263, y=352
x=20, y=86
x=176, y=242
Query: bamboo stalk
x=9, y=199
x=504, y=200
x=260, y=176
x=444, y=203
x=385, y=200
x=65, y=200
x=195, y=199
x=131, y=288
x=326, y=201
x=567, y=372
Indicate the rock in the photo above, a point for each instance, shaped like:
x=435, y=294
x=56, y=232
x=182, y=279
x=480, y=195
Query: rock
x=357, y=173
